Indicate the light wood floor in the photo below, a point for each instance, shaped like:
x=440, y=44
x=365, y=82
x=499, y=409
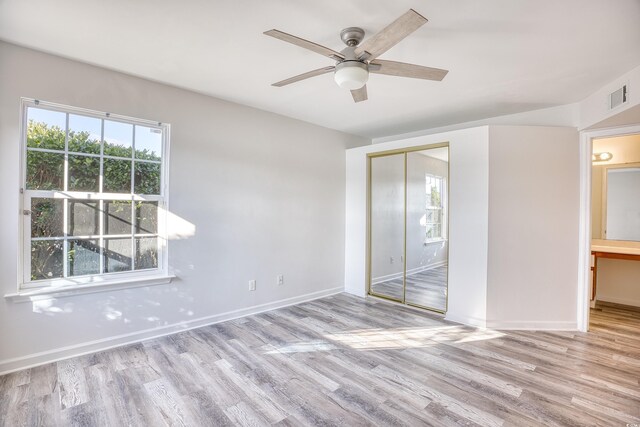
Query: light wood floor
x=426, y=288
x=343, y=361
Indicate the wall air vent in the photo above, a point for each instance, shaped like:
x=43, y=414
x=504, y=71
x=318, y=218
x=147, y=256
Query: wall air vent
x=618, y=97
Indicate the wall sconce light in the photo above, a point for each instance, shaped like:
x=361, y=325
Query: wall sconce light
x=601, y=157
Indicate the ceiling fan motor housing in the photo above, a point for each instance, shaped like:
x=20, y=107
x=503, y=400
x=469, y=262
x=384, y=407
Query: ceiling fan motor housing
x=351, y=73
x=352, y=36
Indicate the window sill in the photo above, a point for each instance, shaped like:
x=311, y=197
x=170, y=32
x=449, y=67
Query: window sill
x=36, y=294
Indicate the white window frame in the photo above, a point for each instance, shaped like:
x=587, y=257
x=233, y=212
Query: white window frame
x=102, y=281
x=443, y=208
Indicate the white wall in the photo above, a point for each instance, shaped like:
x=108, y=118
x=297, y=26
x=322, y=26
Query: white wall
x=468, y=219
x=594, y=110
x=265, y=194
x=533, y=227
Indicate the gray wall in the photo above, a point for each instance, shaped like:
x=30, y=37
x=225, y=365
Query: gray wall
x=265, y=193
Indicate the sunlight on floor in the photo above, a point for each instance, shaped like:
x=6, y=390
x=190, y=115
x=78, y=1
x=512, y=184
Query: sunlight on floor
x=399, y=338
x=302, y=347
x=389, y=339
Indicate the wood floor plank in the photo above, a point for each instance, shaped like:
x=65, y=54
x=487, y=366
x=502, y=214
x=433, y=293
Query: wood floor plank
x=72, y=384
x=344, y=361
x=168, y=403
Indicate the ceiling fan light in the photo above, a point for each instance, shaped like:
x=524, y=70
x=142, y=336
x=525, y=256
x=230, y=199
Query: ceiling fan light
x=351, y=75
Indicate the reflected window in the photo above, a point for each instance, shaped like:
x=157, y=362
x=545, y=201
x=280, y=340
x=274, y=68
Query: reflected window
x=93, y=189
x=435, y=207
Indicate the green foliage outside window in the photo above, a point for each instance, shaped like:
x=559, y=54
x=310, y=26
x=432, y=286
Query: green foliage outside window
x=45, y=171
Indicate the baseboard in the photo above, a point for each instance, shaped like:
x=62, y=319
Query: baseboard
x=533, y=325
x=623, y=301
x=381, y=279
x=393, y=276
x=476, y=322
x=49, y=356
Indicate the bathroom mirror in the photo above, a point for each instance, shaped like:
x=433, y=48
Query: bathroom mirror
x=621, y=196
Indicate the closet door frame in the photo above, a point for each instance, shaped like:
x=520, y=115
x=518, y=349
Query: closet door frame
x=404, y=152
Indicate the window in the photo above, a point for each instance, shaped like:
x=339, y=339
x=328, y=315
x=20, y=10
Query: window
x=436, y=195
x=94, y=193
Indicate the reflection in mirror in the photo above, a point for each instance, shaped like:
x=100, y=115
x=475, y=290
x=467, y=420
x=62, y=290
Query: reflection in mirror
x=615, y=205
x=426, y=250
x=622, y=210
x=408, y=204
x=387, y=226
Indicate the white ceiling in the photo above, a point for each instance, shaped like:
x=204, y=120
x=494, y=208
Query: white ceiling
x=504, y=56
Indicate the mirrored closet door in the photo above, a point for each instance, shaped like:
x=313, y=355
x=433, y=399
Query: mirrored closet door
x=387, y=226
x=408, y=212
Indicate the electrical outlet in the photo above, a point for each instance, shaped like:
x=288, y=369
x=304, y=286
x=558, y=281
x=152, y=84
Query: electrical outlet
x=252, y=285
x=391, y=260
x=280, y=279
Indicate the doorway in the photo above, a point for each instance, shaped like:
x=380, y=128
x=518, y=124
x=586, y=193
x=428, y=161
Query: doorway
x=408, y=226
x=609, y=161
x=615, y=228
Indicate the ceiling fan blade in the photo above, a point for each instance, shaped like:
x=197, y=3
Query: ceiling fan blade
x=401, y=69
x=315, y=47
x=388, y=37
x=360, y=95
x=303, y=76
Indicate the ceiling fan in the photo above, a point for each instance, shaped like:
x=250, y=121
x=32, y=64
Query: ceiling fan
x=357, y=60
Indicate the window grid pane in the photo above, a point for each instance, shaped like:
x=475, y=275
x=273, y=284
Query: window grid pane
x=434, y=207
x=73, y=152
